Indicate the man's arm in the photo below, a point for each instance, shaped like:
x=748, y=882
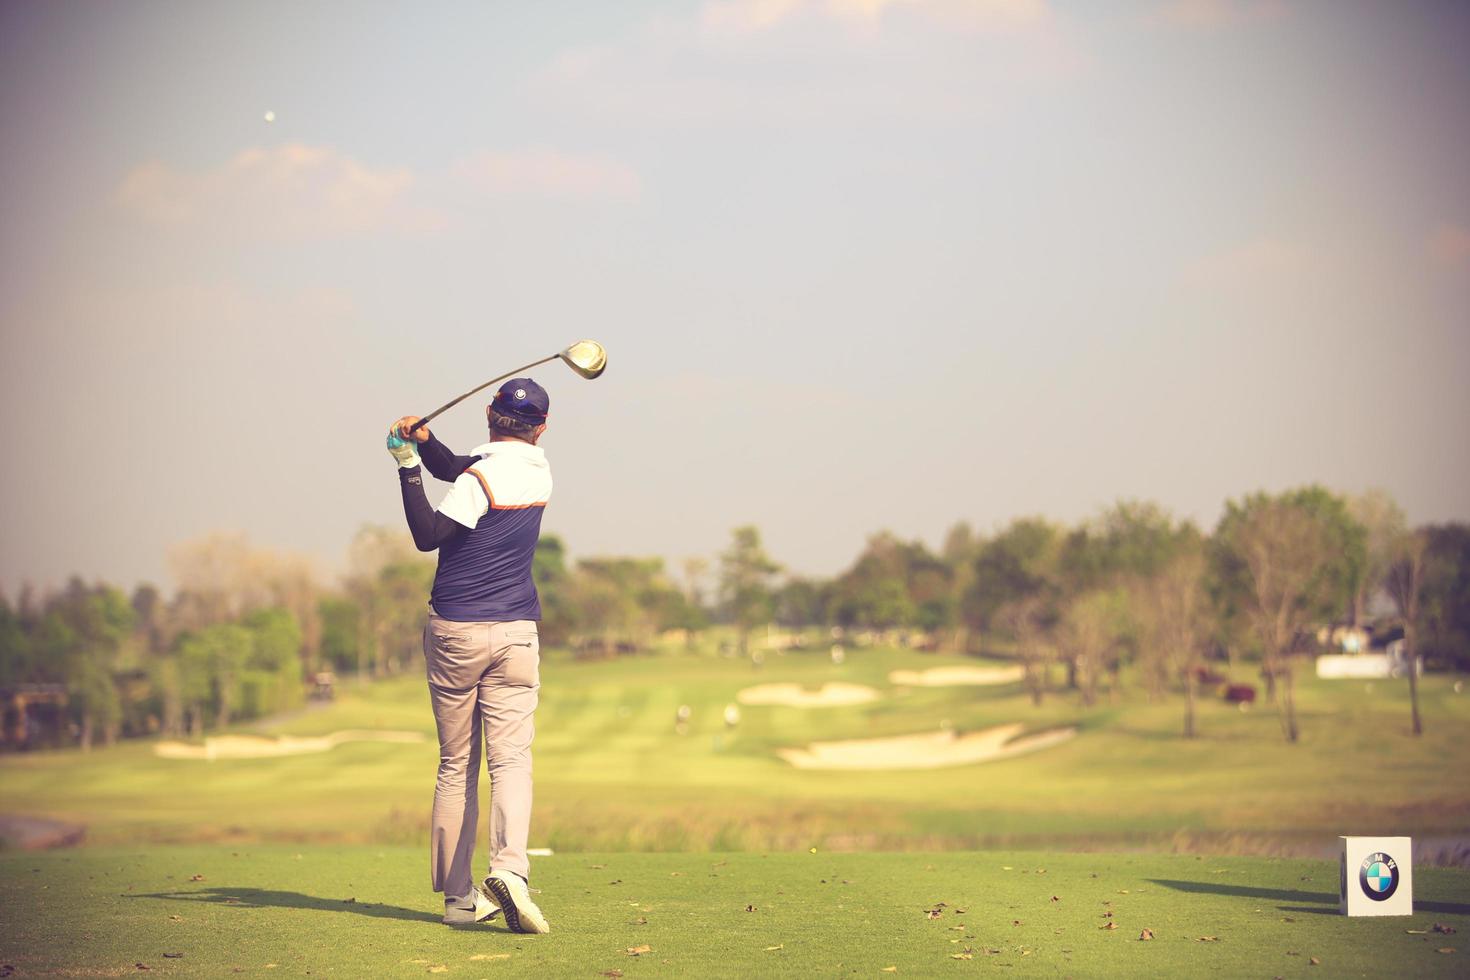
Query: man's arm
x=441, y=462
x=429, y=528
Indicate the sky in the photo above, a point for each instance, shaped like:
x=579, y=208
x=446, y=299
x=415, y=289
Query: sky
x=858, y=264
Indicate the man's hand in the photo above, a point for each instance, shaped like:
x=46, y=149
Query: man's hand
x=404, y=424
x=404, y=452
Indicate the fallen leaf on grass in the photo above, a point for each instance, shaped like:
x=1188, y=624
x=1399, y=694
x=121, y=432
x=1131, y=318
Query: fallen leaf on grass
x=1056, y=898
x=1417, y=932
x=890, y=969
x=611, y=973
x=142, y=966
x=956, y=928
x=1015, y=922
x=770, y=949
x=750, y=908
x=196, y=877
x=676, y=874
x=959, y=911
x=176, y=918
x=961, y=956
x=642, y=920
x=1208, y=939
x=1107, y=915
x=639, y=950
x=438, y=968
x=489, y=956
x=616, y=881
x=1442, y=928
x=596, y=867
x=1146, y=934
x=1122, y=891
x=1313, y=961
x=1109, y=925
x=350, y=901
x=1445, y=949
x=933, y=913
x=173, y=956
x=1287, y=918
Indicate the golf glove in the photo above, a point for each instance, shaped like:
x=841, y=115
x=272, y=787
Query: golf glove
x=404, y=451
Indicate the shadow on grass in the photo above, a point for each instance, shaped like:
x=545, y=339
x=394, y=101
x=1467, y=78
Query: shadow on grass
x=247, y=898
x=1294, y=895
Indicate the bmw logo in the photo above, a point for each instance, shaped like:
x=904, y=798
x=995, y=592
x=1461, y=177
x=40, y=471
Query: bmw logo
x=1378, y=876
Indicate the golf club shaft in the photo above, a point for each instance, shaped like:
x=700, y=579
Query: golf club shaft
x=448, y=405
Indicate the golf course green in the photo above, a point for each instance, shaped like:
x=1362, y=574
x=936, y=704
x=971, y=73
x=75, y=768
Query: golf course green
x=1220, y=845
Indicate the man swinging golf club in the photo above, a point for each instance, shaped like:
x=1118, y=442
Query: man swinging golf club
x=481, y=645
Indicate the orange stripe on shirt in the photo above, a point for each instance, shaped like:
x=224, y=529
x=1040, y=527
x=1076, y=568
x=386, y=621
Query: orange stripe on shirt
x=491, y=497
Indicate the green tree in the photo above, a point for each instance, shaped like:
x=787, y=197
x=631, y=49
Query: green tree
x=340, y=630
x=1016, y=591
x=273, y=681
x=1175, y=618
x=1384, y=526
x=213, y=662
x=1021, y=562
x=1288, y=559
x=1444, y=601
x=745, y=583
x=1403, y=580
x=1093, y=628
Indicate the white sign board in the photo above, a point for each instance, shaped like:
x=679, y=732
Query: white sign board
x=1377, y=877
x=1336, y=666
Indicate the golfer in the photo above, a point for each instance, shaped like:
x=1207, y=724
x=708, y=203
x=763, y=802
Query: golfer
x=480, y=644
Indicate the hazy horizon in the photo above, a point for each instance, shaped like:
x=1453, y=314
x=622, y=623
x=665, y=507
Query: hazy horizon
x=858, y=264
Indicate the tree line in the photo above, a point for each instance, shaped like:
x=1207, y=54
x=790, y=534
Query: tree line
x=249, y=628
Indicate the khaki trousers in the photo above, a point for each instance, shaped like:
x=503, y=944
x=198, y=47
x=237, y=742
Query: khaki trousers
x=483, y=678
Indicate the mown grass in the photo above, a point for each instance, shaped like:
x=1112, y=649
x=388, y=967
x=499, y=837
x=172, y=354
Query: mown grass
x=612, y=774
x=268, y=910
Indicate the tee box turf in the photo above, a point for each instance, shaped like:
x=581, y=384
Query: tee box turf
x=1377, y=876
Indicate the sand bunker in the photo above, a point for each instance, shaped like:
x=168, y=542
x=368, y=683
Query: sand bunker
x=259, y=747
x=955, y=676
x=927, y=750
x=830, y=695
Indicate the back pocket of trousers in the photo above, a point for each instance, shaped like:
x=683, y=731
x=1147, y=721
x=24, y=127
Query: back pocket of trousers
x=522, y=663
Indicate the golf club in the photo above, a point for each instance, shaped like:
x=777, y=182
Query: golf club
x=587, y=357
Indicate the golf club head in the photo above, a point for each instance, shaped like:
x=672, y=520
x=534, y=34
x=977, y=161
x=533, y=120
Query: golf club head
x=586, y=357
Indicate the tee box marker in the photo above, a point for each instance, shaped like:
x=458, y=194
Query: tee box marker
x=1377, y=876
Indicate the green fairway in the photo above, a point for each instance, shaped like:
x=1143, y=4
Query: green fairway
x=359, y=911
x=612, y=774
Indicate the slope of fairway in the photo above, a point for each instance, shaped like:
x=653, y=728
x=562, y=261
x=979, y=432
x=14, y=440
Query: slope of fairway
x=613, y=774
x=274, y=910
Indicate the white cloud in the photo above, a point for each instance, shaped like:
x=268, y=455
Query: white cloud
x=1207, y=15
x=1449, y=247
x=740, y=17
x=291, y=191
x=799, y=62
x=1260, y=263
x=545, y=172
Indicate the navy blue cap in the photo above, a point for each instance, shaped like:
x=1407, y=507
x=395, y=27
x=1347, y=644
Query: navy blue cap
x=522, y=399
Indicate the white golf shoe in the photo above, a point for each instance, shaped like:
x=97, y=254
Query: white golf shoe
x=514, y=897
x=476, y=907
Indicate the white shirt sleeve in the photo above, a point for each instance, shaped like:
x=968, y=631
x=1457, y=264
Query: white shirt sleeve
x=466, y=501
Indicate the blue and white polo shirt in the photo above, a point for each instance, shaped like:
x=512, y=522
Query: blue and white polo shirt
x=485, y=575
